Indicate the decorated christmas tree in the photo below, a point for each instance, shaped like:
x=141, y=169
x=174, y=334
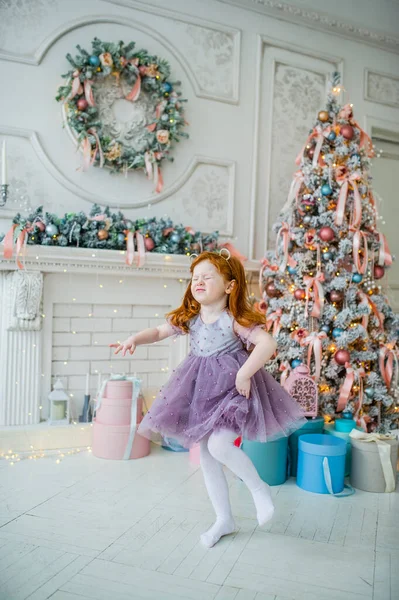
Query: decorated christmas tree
x=322, y=290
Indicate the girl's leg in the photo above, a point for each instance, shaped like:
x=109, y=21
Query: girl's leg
x=218, y=491
x=221, y=447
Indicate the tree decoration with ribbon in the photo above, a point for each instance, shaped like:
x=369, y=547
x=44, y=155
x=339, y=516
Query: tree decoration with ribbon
x=138, y=76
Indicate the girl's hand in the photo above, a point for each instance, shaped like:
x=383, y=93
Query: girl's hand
x=127, y=345
x=243, y=385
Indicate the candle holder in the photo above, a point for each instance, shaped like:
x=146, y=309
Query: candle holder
x=3, y=193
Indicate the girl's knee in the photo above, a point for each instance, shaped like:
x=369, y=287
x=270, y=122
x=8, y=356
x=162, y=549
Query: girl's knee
x=219, y=447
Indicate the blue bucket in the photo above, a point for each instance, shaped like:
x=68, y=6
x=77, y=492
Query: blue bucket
x=269, y=458
x=321, y=463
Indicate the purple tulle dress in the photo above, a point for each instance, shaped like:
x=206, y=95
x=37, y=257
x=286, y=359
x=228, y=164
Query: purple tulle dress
x=201, y=396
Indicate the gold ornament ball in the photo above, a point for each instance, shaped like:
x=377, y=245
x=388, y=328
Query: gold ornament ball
x=103, y=234
x=323, y=116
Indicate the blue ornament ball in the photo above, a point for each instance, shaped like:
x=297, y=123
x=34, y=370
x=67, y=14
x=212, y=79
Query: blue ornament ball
x=165, y=118
x=337, y=332
x=307, y=219
x=356, y=156
x=166, y=87
x=51, y=230
x=325, y=328
x=94, y=60
x=292, y=271
x=327, y=255
x=295, y=363
x=357, y=277
x=175, y=238
x=332, y=135
x=370, y=392
x=326, y=190
x=347, y=414
x=121, y=238
x=129, y=225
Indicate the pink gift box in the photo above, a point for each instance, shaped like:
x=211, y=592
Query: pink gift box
x=110, y=441
x=116, y=390
x=118, y=411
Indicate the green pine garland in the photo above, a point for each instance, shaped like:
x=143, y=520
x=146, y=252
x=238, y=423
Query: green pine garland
x=126, y=63
x=78, y=229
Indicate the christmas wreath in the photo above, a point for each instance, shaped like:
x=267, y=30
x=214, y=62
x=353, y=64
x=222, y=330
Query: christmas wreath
x=113, y=71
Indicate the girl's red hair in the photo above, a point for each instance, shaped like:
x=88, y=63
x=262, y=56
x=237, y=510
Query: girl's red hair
x=237, y=302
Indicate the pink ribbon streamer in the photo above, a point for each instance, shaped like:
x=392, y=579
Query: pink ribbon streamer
x=148, y=165
x=358, y=238
x=135, y=91
x=131, y=255
x=346, y=387
x=266, y=264
x=314, y=343
x=158, y=178
x=319, y=134
x=295, y=189
x=274, y=320
x=359, y=420
x=344, y=181
x=285, y=371
x=89, y=92
x=88, y=156
x=8, y=242
x=366, y=301
x=286, y=234
x=384, y=255
x=318, y=294
x=388, y=363
x=77, y=87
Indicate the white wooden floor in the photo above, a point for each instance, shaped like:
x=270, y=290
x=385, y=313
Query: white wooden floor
x=94, y=529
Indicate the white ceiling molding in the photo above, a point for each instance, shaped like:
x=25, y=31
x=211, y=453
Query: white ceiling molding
x=321, y=21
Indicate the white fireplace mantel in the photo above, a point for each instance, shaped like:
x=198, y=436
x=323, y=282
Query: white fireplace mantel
x=52, y=259
x=82, y=299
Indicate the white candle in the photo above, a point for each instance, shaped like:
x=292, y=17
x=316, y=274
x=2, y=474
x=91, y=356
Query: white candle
x=87, y=384
x=3, y=164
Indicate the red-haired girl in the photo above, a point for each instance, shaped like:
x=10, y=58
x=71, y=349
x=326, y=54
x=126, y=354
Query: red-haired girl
x=221, y=390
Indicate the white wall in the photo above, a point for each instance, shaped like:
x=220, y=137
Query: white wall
x=254, y=84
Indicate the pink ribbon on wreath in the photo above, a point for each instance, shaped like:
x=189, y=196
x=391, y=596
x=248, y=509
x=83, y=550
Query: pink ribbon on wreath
x=274, y=320
x=314, y=343
x=388, y=363
x=344, y=179
x=158, y=178
x=89, y=92
x=384, y=255
x=319, y=134
x=158, y=111
x=286, y=234
x=131, y=255
x=360, y=237
x=77, y=87
x=318, y=294
x=88, y=156
x=134, y=93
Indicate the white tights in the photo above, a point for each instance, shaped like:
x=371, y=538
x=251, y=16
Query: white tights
x=216, y=450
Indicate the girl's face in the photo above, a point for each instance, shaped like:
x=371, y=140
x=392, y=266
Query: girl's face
x=208, y=285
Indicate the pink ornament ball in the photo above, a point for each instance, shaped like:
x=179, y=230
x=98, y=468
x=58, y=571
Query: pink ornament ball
x=271, y=290
x=347, y=132
x=342, y=356
x=379, y=272
x=82, y=104
x=149, y=244
x=299, y=294
x=326, y=234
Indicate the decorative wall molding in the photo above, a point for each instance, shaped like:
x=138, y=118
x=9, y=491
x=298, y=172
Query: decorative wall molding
x=222, y=41
x=55, y=259
x=320, y=21
x=289, y=55
x=197, y=161
x=381, y=88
